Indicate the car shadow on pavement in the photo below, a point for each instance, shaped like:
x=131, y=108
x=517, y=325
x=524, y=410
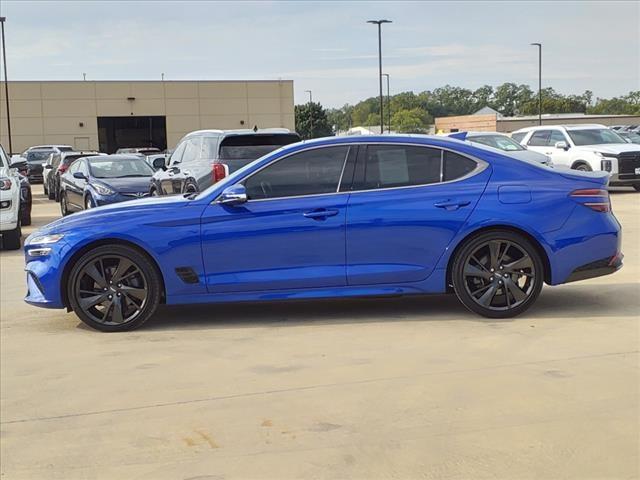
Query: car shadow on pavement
x=554, y=302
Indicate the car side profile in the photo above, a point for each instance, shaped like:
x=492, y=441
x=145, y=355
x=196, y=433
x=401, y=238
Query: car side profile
x=587, y=148
x=336, y=217
x=204, y=157
x=10, y=204
x=57, y=166
x=99, y=180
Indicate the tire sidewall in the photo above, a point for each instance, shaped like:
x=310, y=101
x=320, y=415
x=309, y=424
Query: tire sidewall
x=149, y=271
x=469, y=246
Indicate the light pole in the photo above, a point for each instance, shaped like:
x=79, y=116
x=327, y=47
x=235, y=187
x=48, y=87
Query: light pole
x=539, y=45
x=388, y=104
x=6, y=83
x=379, y=23
x=310, y=113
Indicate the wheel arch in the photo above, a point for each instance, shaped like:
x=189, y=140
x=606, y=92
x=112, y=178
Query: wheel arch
x=510, y=228
x=97, y=243
x=578, y=162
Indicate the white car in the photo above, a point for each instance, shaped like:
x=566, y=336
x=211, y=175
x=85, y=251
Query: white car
x=9, y=204
x=504, y=143
x=587, y=148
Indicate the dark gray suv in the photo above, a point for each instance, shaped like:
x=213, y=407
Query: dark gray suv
x=204, y=157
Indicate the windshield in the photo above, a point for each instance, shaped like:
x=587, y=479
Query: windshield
x=497, y=141
x=127, y=167
x=251, y=147
x=594, y=136
x=38, y=156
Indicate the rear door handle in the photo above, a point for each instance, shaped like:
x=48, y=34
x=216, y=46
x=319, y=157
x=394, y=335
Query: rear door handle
x=320, y=213
x=451, y=204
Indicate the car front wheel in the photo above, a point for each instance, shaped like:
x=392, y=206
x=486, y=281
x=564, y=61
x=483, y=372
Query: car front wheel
x=64, y=206
x=114, y=288
x=498, y=274
x=88, y=202
x=11, y=239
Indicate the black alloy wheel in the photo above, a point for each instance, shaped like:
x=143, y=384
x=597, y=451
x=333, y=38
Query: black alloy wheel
x=498, y=274
x=114, y=288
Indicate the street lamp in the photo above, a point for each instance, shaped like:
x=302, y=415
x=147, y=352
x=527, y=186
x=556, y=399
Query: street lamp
x=388, y=104
x=6, y=83
x=310, y=113
x=539, y=45
x=379, y=23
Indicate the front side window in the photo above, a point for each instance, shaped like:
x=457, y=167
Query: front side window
x=595, y=136
x=176, y=156
x=389, y=166
x=556, y=136
x=539, y=138
x=82, y=167
x=74, y=168
x=311, y=172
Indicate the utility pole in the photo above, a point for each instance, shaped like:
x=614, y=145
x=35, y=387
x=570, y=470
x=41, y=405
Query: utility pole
x=388, y=104
x=379, y=23
x=539, y=45
x=6, y=83
x=310, y=112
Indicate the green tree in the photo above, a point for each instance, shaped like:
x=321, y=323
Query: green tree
x=625, y=105
x=312, y=121
x=415, y=120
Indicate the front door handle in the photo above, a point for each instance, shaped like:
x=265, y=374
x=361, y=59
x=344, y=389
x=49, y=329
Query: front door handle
x=451, y=204
x=320, y=213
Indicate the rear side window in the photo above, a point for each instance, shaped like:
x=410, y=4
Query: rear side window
x=254, y=146
x=539, y=138
x=311, y=172
x=389, y=166
x=456, y=166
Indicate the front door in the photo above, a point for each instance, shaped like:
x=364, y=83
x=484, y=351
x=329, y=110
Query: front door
x=408, y=204
x=290, y=234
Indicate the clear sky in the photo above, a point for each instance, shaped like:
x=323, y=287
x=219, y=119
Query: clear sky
x=327, y=47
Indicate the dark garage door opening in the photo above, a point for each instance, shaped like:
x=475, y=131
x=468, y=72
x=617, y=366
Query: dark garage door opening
x=124, y=132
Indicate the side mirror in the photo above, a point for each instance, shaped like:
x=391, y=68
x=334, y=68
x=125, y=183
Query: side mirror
x=233, y=195
x=79, y=175
x=160, y=163
x=563, y=145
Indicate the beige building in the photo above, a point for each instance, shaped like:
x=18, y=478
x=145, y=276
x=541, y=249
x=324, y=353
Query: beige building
x=106, y=115
x=494, y=122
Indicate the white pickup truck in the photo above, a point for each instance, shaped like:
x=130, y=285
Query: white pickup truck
x=9, y=204
x=587, y=148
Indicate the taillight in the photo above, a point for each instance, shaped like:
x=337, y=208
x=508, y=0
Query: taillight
x=219, y=172
x=594, y=198
x=63, y=168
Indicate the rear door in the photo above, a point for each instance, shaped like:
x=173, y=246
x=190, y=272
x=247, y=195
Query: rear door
x=407, y=204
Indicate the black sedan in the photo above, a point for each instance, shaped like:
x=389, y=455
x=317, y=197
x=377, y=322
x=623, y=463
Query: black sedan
x=100, y=180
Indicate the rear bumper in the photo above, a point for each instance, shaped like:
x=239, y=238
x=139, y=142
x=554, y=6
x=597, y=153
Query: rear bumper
x=604, y=266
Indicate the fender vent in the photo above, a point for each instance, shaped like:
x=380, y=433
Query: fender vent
x=187, y=275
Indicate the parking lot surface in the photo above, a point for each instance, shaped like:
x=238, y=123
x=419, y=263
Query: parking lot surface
x=382, y=388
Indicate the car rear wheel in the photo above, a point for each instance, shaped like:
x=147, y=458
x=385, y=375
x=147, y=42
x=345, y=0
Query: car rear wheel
x=114, y=288
x=498, y=274
x=50, y=193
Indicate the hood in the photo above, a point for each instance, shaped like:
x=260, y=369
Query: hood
x=126, y=184
x=138, y=208
x=613, y=148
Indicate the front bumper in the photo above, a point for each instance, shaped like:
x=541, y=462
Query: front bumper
x=44, y=276
x=624, y=179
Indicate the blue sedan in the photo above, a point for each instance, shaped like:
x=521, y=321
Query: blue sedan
x=101, y=180
x=338, y=217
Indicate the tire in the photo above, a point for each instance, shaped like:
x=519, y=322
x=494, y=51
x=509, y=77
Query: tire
x=56, y=192
x=583, y=167
x=44, y=186
x=637, y=187
x=486, y=291
x=25, y=218
x=98, y=271
x=191, y=188
x=64, y=206
x=11, y=239
x=153, y=192
x=88, y=202
x=50, y=194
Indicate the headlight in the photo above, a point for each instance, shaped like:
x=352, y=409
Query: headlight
x=46, y=239
x=102, y=189
x=606, y=155
x=605, y=165
x=5, y=184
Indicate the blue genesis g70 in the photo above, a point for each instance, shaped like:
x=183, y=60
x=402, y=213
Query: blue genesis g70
x=335, y=217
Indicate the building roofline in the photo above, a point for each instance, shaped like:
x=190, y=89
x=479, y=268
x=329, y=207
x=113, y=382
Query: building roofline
x=150, y=81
